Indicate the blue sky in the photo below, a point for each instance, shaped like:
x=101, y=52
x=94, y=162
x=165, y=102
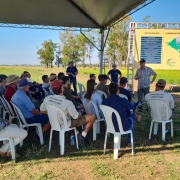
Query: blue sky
x=19, y=46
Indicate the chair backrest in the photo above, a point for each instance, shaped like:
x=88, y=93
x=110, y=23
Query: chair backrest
x=9, y=107
x=4, y=104
x=102, y=94
x=108, y=112
x=85, y=104
x=81, y=88
x=156, y=108
x=123, y=96
x=19, y=114
x=53, y=117
x=45, y=92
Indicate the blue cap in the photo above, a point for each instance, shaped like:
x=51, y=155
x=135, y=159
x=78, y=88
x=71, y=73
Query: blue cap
x=123, y=80
x=23, y=83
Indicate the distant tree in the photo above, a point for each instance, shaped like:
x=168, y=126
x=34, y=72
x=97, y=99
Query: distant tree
x=46, y=53
x=58, y=60
x=146, y=19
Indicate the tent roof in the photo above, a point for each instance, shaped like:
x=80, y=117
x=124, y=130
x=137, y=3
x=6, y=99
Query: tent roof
x=68, y=13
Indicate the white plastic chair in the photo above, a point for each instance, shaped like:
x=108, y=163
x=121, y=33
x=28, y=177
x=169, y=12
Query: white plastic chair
x=45, y=92
x=156, y=107
x=23, y=124
x=108, y=111
x=12, y=115
x=123, y=96
x=102, y=94
x=11, y=142
x=96, y=125
x=55, y=126
x=81, y=89
x=5, y=108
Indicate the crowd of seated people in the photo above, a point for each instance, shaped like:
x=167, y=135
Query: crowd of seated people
x=18, y=90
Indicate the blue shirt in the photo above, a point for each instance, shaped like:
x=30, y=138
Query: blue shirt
x=22, y=101
x=121, y=105
x=72, y=70
x=114, y=75
x=126, y=92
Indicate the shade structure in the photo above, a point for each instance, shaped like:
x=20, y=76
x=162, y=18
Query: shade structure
x=68, y=13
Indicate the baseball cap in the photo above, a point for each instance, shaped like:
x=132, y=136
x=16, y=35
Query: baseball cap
x=103, y=77
x=161, y=82
x=23, y=83
x=56, y=84
x=142, y=61
x=123, y=80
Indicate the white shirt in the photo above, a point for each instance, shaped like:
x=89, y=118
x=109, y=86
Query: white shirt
x=62, y=103
x=162, y=96
x=29, y=80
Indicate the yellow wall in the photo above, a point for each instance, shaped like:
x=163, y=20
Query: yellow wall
x=170, y=53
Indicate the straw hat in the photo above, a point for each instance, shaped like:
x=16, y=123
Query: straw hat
x=52, y=77
x=12, y=78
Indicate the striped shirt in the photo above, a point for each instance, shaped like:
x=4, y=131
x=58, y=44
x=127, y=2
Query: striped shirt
x=144, y=80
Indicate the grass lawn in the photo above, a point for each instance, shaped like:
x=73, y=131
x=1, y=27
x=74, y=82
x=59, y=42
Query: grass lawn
x=153, y=159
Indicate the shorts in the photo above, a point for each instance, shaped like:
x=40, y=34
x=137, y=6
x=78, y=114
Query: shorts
x=38, y=119
x=78, y=122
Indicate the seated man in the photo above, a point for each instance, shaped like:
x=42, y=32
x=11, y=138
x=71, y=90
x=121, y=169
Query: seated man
x=30, y=113
x=102, y=85
x=60, y=75
x=67, y=92
x=46, y=83
x=12, y=82
x=2, y=84
x=92, y=76
x=160, y=95
x=74, y=118
x=8, y=130
x=121, y=105
x=52, y=78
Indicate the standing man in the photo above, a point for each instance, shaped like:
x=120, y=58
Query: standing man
x=143, y=76
x=72, y=72
x=115, y=74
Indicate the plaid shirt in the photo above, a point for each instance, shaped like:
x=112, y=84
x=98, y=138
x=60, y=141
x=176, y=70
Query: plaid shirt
x=144, y=80
x=3, y=124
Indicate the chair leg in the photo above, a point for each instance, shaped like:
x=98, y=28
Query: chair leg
x=50, y=140
x=62, y=143
x=116, y=146
x=59, y=138
x=105, y=141
x=132, y=143
x=77, y=144
x=40, y=134
x=150, y=132
x=119, y=142
x=98, y=127
x=172, y=129
x=12, y=148
x=155, y=128
x=94, y=130
x=163, y=131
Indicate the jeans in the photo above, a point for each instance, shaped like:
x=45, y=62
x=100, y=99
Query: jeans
x=12, y=131
x=131, y=128
x=38, y=119
x=141, y=92
x=74, y=82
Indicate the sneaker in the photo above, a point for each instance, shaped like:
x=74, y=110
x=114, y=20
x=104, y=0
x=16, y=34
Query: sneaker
x=2, y=154
x=80, y=140
x=140, y=104
x=8, y=154
x=36, y=137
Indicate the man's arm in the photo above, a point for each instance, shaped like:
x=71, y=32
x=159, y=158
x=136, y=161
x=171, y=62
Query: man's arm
x=171, y=102
x=120, y=75
x=137, y=76
x=155, y=75
x=109, y=74
x=76, y=73
x=36, y=112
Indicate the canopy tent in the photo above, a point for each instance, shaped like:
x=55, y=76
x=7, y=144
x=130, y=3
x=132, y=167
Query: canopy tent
x=68, y=13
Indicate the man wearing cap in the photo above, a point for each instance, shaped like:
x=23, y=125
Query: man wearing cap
x=143, y=76
x=160, y=95
x=12, y=82
x=30, y=113
x=74, y=118
x=102, y=85
x=2, y=84
x=115, y=74
x=72, y=72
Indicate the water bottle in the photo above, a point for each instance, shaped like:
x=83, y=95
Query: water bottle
x=72, y=139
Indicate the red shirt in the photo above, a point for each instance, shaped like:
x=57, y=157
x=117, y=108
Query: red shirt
x=10, y=91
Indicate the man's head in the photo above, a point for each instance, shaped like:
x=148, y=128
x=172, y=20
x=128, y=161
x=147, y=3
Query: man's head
x=92, y=76
x=3, y=78
x=103, y=78
x=142, y=63
x=24, y=85
x=71, y=63
x=113, y=89
x=114, y=66
x=45, y=78
x=12, y=80
x=57, y=87
x=52, y=77
x=27, y=74
x=60, y=75
x=160, y=85
x=66, y=81
x=123, y=82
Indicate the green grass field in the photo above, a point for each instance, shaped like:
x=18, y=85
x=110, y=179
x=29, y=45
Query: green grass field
x=153, y=159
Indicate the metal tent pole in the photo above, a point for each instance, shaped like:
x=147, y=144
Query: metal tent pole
x=102, y=51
